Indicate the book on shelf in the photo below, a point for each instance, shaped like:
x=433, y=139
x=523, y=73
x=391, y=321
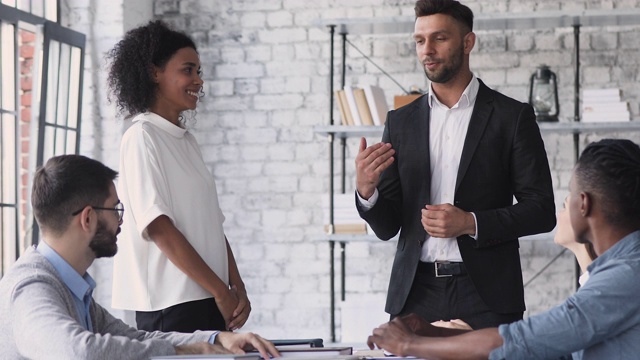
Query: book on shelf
x=345, y=112
x=402, y=100
x=346, y=219
x=604, y=105
x=363, y=107
x=377, y=103
x=351, y=104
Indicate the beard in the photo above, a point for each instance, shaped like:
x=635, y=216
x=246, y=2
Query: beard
x=103, y=243
x=447, y=72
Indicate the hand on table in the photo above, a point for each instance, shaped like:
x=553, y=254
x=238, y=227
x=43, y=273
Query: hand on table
x=394, y=337
x=239, y=343
x=453, y=324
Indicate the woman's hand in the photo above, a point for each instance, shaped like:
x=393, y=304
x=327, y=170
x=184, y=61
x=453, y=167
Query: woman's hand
x=242, y=310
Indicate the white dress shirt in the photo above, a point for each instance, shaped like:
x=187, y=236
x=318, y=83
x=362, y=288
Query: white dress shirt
x=447, y=132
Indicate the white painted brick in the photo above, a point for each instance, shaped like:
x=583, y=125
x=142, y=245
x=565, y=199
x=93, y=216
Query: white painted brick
x=272, y=85
x=273, y=102
x=309, y=51
x=520, y=42
x=298, y=84
x=290, y=68
x=251, y=136
x=246, y=86
x=280, y=19
x=553, y=59
x=490, y=61
x=262, y=5
x=218, y=87
x=604, y=41
x=258, y=53
x=230, y=71
x=283, y=118
x=493, y=77
x=548, y=42
x=518, y=76
x=253, y=20
x=232, y=55
x=255, y=119
x=253, y=152
x=280, y=151
x=163, y=7
x=596, y=75
x=236, y=170
x=279, y=36
x=285, y=168
x=310, y=183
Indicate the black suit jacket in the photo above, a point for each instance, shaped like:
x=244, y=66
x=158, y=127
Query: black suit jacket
x=503, y=156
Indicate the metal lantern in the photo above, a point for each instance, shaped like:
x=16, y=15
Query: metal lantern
x=543, y=94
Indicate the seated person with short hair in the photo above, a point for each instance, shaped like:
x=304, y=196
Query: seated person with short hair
x=46, y=306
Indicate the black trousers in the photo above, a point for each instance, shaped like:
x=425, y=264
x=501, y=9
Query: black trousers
x=448, y=298
x=186, y=317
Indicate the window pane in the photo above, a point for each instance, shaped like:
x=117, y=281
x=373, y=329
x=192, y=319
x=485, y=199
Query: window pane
x=71, y=142
x=63, y=84
x=37, y=7
x=51, y=10
x=7, y=66
x=47, y=147
x=61, y=141
x=52, y=81
x=74, y=87
x=24, y=5
x=9, y=237
x=8, y=147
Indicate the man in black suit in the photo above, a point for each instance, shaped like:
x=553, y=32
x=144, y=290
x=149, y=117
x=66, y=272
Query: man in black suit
x=445, y=175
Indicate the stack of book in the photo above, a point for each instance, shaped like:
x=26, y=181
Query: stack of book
x=346, y=219
x=604, y=105
x=364, y=105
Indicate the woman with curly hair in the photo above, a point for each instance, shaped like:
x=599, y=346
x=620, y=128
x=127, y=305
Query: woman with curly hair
x=175, y=267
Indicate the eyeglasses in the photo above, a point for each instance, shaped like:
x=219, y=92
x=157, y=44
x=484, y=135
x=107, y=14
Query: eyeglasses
x=119, y=209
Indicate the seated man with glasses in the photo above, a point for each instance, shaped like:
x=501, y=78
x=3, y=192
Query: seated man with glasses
x=46, y=306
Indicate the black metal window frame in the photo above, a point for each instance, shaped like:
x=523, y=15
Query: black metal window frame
x=53, y=34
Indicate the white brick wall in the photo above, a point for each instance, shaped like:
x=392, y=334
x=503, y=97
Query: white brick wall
x=266, y=66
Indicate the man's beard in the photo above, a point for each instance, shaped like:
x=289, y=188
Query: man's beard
x=449, y=71
x=103, y=243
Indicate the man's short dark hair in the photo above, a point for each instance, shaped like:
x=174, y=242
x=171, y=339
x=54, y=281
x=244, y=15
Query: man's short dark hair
x=455, y=9
x=65, y=184
x=610, y=169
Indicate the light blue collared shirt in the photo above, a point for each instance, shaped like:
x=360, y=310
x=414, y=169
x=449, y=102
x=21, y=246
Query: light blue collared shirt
x=80, y=286
x=600, y=321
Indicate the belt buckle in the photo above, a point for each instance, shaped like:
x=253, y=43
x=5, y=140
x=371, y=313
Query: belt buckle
x=435, y=264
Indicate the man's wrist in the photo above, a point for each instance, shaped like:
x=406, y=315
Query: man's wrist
x=212, y=338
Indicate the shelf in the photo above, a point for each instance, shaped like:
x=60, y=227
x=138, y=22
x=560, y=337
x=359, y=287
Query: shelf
x=542, y=20
x=341, y=131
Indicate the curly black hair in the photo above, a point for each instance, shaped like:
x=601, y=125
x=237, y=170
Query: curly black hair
x=610, y=169
x=132, y=59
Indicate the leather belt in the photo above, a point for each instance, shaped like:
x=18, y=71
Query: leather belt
x=442, y=268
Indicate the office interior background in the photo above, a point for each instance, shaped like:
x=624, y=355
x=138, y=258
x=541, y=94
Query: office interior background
x=266, y=67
